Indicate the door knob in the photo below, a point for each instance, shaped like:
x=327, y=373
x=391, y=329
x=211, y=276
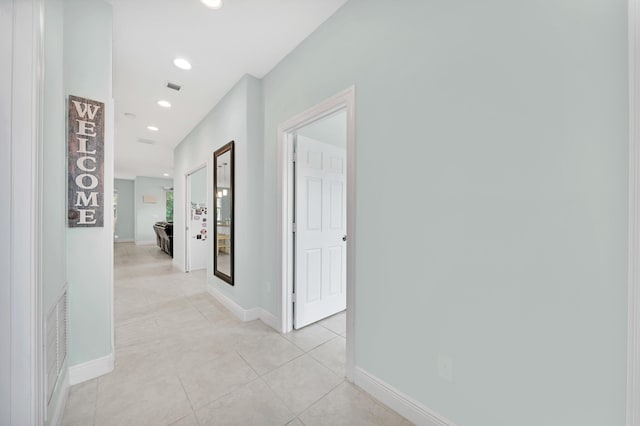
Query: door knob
x=344, y=238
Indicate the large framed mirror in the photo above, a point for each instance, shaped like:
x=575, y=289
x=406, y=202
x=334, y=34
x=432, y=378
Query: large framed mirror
x=223, y=244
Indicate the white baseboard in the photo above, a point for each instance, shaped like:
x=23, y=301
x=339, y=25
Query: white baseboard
x=56, y=411
x=241, y=313
x=401, y=403
x=145, y=243
x=91, y=369
x=124, y=240
x=269, y=319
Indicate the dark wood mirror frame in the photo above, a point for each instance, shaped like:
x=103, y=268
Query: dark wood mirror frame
x=217, y=211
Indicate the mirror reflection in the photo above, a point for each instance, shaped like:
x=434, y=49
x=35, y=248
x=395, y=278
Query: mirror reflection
x=223, y=184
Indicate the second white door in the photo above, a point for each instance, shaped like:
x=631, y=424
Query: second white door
x=320, y=238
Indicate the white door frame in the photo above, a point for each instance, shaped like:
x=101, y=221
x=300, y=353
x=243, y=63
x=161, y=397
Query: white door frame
x=187, y=215
x=22, y=219
x=344, y=100
x=633, y=275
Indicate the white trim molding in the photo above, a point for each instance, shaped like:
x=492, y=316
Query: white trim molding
x=633, y=326
x=241, y=313
x=21, y=333
x=269, y=319
x=91, y=369
x=398, y=401
x=343, y=101
x=244, y=314
x=57, y=411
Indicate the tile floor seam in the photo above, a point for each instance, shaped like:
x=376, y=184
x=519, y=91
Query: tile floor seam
x=247, y=362
x=320, y=361
x=237, y=387
x=279, y=399
x=312, y=403
x=319, y=399
x=282, y=365
x=193, y=410
x=95, y=402
x=317, y=346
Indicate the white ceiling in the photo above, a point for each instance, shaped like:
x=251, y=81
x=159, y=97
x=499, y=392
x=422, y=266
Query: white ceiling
x=243, y=37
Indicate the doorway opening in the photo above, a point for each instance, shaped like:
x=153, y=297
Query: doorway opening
x=196, y=235
x=317, y=174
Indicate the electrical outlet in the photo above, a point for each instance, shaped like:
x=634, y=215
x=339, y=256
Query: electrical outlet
x=445, y=367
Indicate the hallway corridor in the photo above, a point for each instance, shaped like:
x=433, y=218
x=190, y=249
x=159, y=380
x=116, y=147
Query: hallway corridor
x=183, y=359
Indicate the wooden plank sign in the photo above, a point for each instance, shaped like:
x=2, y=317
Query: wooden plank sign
x=85, y=187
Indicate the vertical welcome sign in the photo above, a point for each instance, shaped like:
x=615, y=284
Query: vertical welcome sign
x=85, y=188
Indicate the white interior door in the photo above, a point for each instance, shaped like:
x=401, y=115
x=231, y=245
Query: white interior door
x=320, y=238
x=198, y=221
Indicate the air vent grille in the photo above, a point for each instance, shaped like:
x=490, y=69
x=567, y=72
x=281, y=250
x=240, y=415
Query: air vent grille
x=174, y=86
x=56, y=342
x=146, y=141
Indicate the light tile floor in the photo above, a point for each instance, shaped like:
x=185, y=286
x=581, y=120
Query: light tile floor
x=184, y=359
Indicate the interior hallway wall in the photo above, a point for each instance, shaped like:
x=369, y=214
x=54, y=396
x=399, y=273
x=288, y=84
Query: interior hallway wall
x=237, y=117
x=125, y=225
x=146, y=214
x=87, y=73
x=507, y=121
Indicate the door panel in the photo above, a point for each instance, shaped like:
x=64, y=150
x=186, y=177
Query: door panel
x=320, y=270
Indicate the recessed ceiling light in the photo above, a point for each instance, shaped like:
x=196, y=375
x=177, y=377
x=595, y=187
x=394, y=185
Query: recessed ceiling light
x=182, y=63
x=212, y=4
x=152, y=128
x=165, y=174
x=164, y=104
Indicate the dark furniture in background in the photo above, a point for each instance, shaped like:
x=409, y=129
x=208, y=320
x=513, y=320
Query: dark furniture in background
x=164, y=236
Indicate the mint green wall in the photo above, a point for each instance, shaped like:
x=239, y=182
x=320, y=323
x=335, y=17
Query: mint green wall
x=331, y=130
x=199, y=185
x=237, y=117
x=125, y=224
x=146, y=214
x=508, y=121
x=87, y=73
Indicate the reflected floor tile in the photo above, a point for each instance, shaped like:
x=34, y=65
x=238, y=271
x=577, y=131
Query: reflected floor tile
x=253, y=404
x=347, y=406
